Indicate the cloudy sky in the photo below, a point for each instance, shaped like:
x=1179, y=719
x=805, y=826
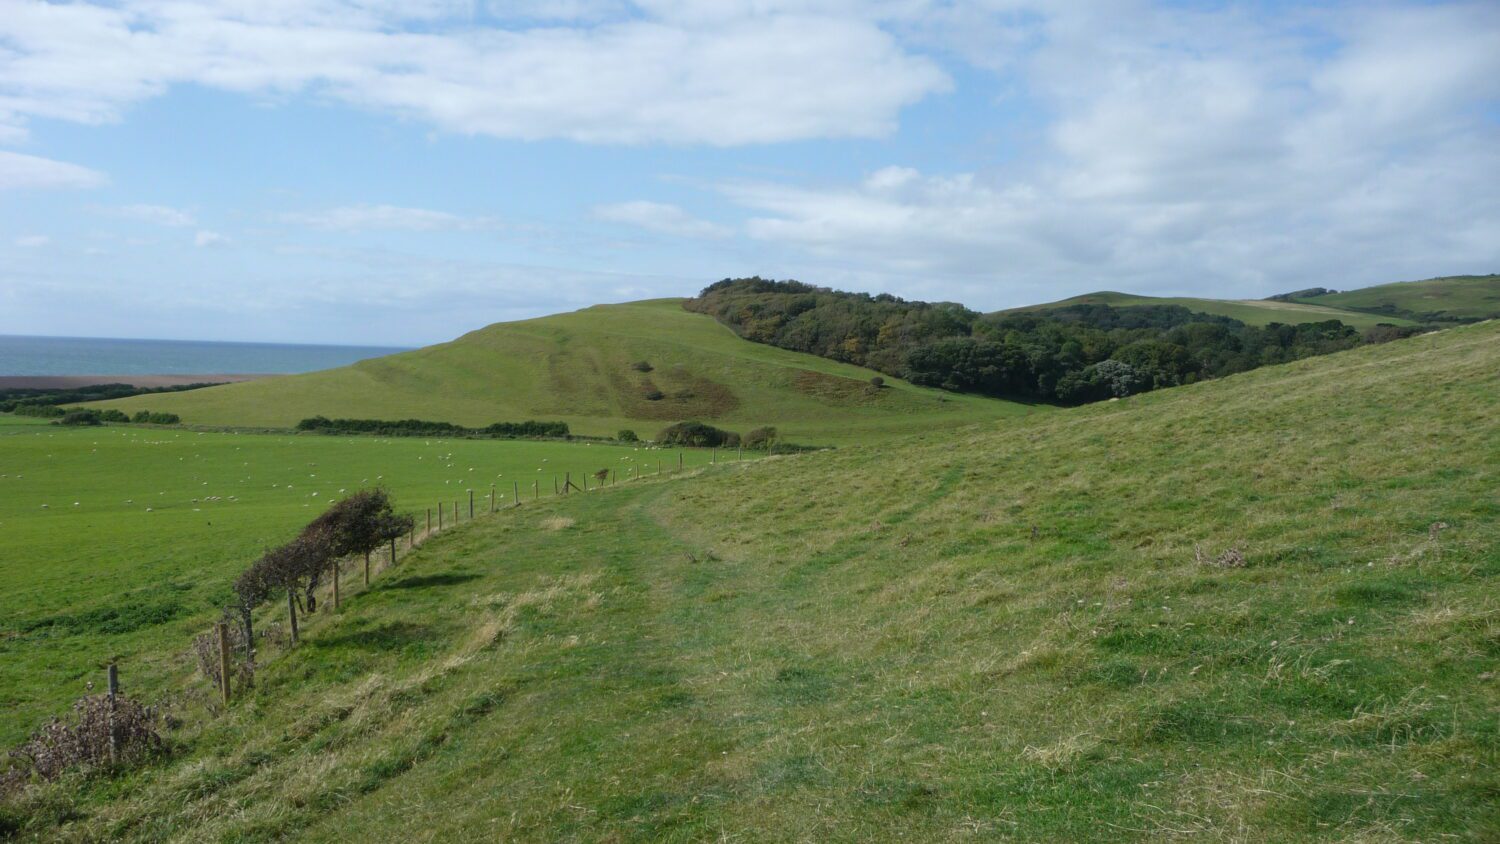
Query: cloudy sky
x=399, y=171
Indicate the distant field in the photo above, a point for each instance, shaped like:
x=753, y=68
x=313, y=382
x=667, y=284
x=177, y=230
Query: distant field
x=578, y=367
x=1248, y=311
x=1465, y=297
x=123, y=562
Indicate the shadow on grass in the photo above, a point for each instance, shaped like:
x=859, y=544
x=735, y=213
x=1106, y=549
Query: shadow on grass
x=426, y=580
x=388, y=637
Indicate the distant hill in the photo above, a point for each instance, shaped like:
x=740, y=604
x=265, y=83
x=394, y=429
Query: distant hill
x=1459, y=298
x=1248, y=311
x=584, y=368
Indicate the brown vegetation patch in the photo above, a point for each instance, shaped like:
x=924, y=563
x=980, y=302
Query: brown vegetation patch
x=670, y=394
x=835, y=389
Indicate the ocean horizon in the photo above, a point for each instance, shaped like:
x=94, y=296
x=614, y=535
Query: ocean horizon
x=35, y=355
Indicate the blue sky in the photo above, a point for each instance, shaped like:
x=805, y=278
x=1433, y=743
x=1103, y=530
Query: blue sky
x=400, y=172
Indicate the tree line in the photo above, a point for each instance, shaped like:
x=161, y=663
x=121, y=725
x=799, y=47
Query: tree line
x=1063, y=355
x=530, y=429
x=18, y=399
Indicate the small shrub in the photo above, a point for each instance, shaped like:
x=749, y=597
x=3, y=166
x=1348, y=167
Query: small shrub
x=760, y=438
x=627, y=436
x=112, y=415
x=146, y=416
x=59, y=746
x=877, y=382
x=655, y=395
x=642, y=366
x=1232, y=558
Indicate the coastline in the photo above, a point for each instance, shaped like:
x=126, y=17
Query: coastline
x=57, y=382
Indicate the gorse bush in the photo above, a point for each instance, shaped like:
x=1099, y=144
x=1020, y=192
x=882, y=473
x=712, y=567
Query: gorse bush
x=760, y=438
x=627, y=436
x=147, y=417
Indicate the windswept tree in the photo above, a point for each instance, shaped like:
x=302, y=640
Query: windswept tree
x=296, y=565
x=359, y=524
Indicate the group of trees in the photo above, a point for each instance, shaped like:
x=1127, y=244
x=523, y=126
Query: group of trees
x=700, y=435
x=530, y=429
x=358, y=524
x=1064, y=355
x=27, y=401
x=90, y=416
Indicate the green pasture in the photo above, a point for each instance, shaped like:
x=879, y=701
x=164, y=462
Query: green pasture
x=120, y=541
x=1261, y=608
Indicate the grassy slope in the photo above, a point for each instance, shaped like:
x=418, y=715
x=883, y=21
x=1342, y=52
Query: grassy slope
x=1462, y=297
x=1248, y=311
x=119, y=580
x=576, y=367
x=1001, y=633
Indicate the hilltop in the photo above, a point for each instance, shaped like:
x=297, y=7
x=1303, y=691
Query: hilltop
x=1255, y=608
x=1248, y=311
x=586, y=368
x=1463, y=298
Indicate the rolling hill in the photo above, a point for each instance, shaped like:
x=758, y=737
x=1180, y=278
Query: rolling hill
x=1461, y=298
x=1260, y=608
x=1248, y=311
x=580, y=367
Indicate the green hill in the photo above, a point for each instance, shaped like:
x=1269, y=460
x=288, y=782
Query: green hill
x=1248, y=311
x=1462, y=298
x=1260, y=608
x=579, y=367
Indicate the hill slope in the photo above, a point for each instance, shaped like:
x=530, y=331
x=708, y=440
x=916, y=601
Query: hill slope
x=1452, y=298
x=577, y=367
x=1248, y=311
x=1254, y=609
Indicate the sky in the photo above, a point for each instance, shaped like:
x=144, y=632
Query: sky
x=398, y=172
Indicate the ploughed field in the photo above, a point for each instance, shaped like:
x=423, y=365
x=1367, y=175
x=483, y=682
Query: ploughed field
x=120, y=542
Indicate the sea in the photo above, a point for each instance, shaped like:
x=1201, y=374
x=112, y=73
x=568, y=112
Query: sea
x=21, y=355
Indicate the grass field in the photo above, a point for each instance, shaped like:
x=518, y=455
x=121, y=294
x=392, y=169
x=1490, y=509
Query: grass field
x=1248, y=311
x=121, y=541
x=1029, y=629
x=577, y=367
x=1465, y=297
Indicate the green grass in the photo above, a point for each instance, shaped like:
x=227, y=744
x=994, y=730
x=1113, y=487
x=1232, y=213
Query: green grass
x=577, y=367
x=1248, y=311
x=97, y=575
x=1003, y=632
x=1464, y=297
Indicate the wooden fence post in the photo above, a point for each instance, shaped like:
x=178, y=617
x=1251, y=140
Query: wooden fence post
x=367, y=567
x=335, y=584
x=112, y=673
x=393, y=552
x=567, y=483
x=517, y=485
x=679, y=460
x=471, y=505
x=492, y=498
x=291, y=606
x=440, y=515
x=224, y=660
x=429, y=523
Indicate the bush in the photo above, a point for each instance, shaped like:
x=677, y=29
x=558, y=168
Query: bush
x=697, y=435
x=877, y=382
x=655, y=395
x=146, y=416
x=627, y=436
x=112, y=415
x=58, y=746
x=642, y=366
x=426, y=428
x=80, y=417
x=760, y=438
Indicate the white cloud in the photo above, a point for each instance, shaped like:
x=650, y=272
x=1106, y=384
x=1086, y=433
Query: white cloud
x=386, y=217
x=675, y=74
x=661, y=218
x=32, y=241
x=1215, y=155
x=23, y=172
x=159, y=215
x=204, y=239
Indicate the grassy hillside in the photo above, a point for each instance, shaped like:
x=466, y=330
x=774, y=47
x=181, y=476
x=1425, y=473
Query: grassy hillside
x=578, y=367
x=1248, y=311
x=1462, y=298
x=1255, y=609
